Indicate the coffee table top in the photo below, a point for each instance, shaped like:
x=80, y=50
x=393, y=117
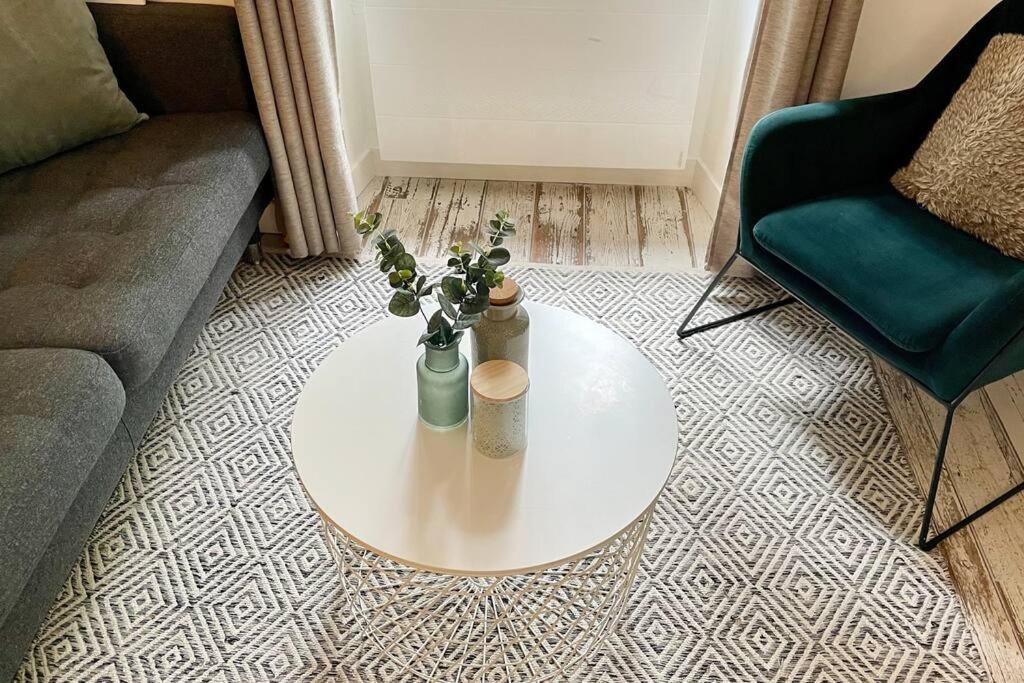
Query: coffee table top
x=602, y=439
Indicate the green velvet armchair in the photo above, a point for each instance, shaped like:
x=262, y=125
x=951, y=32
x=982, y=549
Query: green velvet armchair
x=819, y=217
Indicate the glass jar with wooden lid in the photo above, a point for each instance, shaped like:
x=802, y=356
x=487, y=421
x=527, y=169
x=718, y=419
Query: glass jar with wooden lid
x=498, y=408
x=503, y=332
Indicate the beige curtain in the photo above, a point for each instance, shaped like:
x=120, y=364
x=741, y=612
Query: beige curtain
x=289, y=45
x=800, y=53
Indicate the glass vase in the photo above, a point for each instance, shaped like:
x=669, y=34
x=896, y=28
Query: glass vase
x=442, y=387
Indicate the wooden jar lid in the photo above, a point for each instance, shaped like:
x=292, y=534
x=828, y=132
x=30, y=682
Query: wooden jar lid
x=505, y=294
x=499, y=381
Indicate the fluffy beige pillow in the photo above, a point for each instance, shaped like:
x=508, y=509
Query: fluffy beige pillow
x=970, y=169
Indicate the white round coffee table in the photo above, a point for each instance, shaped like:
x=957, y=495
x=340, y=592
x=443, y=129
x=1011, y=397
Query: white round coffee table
x=463, y=567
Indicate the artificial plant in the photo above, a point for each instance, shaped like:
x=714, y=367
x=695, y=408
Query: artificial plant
x=463, y=294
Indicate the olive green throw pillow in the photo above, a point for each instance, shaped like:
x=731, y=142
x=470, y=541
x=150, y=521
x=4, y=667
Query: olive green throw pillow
x=57, y=90
x=970, y=169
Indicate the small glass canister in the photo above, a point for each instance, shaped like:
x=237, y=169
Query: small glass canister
x=503, y=332
x=498, y=419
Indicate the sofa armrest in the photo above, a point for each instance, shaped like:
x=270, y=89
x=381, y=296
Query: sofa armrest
x=175, y=57
x=801, y=153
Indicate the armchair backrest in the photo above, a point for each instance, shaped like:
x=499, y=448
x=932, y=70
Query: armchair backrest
x=939, y=86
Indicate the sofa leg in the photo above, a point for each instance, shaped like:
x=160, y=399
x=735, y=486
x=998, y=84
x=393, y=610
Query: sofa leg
x=923, y=541
x=683, y=333
x=253, y=254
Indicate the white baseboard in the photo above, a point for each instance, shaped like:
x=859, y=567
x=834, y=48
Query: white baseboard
x=365, y=169
x=705, y=187
x=544, y=174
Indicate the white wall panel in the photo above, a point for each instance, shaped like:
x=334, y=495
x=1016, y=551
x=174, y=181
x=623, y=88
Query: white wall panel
x=484, y=92
x=598, y=83
x=531, y=143
x=633, y=6
x=535, y=39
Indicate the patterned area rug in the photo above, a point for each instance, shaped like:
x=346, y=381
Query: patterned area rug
x=782, y=549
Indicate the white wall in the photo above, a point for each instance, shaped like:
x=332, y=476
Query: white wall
x=358, y=117
x=730, y=32
x=899, y=41
x=565, y=83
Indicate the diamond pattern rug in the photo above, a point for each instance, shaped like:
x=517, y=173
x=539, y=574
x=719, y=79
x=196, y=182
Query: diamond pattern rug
x=781, y=550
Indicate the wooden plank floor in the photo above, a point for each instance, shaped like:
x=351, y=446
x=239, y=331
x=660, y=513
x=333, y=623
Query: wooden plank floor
x=560, y=223
x=986, y=560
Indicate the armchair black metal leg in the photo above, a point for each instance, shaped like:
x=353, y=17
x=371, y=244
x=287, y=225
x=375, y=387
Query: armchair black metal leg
x=926, y=543
x=683, y=333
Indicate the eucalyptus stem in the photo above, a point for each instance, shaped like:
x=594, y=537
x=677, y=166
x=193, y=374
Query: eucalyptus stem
x=463, y=293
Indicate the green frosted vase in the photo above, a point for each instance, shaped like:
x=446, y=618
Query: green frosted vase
x=442, y=385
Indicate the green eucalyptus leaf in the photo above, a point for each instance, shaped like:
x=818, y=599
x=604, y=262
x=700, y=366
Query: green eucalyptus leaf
x=365, y=222
x=446, y=330
x=436, y=321
x=428, y=290
x=394, y=279
x=494, y=278
x=479, y=303
x=499, y=256
x=454, y=288
x=405, y=261
x=466, y=321
x=452, y=262
x=446, y=306
x=424, y=338
x=404, y=304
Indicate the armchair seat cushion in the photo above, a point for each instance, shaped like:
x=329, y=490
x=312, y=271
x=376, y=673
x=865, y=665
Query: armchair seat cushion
x=908, y=274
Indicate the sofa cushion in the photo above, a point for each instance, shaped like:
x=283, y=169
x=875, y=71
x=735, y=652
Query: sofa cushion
x=58, y=410
x=57, y=90
x=907, y=273
x=104, y=248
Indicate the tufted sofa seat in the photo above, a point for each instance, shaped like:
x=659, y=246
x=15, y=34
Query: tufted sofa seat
x=59, y=409
x=106, y=247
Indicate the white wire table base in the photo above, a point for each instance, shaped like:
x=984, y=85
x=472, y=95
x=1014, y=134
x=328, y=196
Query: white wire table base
x=525, y=627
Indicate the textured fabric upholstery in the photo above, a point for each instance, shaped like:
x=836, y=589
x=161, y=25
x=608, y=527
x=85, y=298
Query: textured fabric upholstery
x=106, y=247
x=141, y=404
x=58, y=410
x=57, y=90
x=907, y=273
x=171, y=58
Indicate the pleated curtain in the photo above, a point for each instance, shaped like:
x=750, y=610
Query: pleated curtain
x=800, y=54
x=290, y=49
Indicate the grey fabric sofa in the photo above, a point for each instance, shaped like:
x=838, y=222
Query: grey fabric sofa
x=112, y=257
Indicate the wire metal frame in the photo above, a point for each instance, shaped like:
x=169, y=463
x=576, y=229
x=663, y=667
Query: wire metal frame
x=924, y=541
x=537, y=626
